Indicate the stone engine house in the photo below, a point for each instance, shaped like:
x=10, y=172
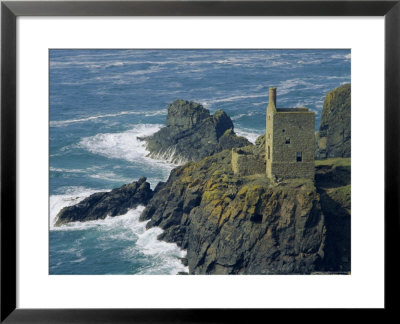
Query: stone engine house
x=289, y=141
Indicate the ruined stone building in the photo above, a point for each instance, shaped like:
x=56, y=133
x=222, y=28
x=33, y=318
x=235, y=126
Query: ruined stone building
x=289, y=141
x=245, y=162
x=289, y=145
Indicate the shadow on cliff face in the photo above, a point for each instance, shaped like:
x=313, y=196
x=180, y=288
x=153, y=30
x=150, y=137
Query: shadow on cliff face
x=332, y=177
x=338, y=231
x=333, y=185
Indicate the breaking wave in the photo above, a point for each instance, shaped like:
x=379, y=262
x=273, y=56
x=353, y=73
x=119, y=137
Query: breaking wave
x=248, y=133
x=169, y=155
x=162, y=257
x=129, y=146
x=59, y=123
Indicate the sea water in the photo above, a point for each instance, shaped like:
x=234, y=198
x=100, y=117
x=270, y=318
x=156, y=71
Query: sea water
x=101, y=101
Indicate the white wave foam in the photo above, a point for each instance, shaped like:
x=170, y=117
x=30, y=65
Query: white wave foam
x=287, y=86
x=209, y=102
x=73, y=252
x=155, y=113
x=249, y=114
x=92, y=61
x=110, y=176
x=121, y=113
x=128, y=228
x=170, y=156
x=67, y=170
x=127, y=146
x=72, y=195
x=140, y=75
x=238, y=116
x=248, y=133
x=78, y=260
x=342, y=56
x=168, y=253
x=95, y=173
x=128, y=221
x=308, y=62
x=332, y=77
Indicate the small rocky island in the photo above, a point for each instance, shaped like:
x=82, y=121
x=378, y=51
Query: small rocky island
x=191, y=134
x=234, y=220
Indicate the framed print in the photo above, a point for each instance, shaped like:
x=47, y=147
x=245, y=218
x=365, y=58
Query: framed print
x=205, y=147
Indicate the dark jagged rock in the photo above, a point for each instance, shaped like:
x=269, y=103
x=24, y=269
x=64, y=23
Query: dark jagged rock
x=239, y=225
x=186, y=114
x=332, y=179
x=334, y=136
x=102, y=204
x=184, y=261
x=191, y=133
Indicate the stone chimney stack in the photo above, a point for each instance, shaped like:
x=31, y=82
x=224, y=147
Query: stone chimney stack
x=272, y=96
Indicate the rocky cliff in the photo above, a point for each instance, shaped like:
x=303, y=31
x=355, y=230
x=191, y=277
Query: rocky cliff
x=191, y=133
x=102, y=204
x=233, y=224
x=239, y=225
x=332, y=179
x=236, y=224
x=334, y=136
x=247, y=225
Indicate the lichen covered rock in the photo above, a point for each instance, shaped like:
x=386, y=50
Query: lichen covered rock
x=239, y=225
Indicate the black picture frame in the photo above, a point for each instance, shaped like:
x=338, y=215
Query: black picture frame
x=10, y=10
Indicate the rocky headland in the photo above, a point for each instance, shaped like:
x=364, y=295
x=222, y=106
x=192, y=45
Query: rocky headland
x=191, y=134
x=333, y=138
x=230, y=223
x=247, y=225
x=239, y=225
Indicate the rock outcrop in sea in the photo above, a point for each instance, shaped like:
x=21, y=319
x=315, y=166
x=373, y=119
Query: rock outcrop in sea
x=334, y=136
x=102, y=204
x=191, y=134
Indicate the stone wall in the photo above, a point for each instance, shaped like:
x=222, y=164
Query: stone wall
x=269, y=140
x=288, y=170
x=245, y=163
x=293, y=137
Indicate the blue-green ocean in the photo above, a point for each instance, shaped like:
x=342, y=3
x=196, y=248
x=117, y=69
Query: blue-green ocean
x=102, y=100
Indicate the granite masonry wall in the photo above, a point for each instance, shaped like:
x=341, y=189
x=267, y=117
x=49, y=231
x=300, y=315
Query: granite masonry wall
x=289, y=142
x=245, y=163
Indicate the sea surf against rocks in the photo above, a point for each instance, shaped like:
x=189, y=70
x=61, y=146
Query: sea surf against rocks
x=104, y=103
